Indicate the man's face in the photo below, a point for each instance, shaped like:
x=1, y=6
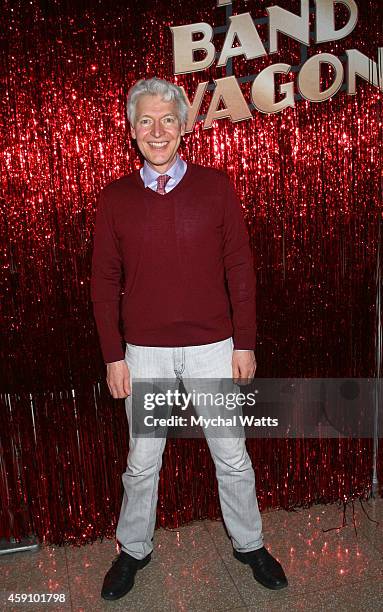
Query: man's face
x=157, y=130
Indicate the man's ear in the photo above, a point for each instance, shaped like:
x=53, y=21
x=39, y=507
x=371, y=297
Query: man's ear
x=133, y=132
x=183, y=129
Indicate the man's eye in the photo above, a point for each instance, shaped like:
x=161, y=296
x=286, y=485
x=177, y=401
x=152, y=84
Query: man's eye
x=145, y=121
x=169, y=119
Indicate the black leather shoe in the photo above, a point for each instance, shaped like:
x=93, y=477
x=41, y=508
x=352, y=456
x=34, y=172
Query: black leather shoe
x=120, y=578
x=267, y=570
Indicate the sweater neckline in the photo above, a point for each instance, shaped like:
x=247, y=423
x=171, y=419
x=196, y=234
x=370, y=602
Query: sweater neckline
x=149, y=192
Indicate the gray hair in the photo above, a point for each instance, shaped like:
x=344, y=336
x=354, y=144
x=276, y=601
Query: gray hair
x=168, y=91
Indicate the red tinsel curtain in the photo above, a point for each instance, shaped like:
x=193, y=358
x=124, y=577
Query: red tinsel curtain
x=310, y=182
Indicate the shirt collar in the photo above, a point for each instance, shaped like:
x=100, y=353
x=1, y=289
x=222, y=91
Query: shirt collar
x=149, y=175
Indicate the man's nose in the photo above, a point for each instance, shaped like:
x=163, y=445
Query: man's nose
x=157, y=128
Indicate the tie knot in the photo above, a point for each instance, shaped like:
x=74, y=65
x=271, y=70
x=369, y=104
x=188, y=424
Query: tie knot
x=161, y=182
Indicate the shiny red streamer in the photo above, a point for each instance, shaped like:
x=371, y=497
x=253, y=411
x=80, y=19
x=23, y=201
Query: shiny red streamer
x=310, y=182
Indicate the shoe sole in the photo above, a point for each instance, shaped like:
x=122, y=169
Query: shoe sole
x=143, y=563
x=267, y=586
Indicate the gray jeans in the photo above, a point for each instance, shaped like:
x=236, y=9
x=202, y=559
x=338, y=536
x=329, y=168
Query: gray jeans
x=234, y=471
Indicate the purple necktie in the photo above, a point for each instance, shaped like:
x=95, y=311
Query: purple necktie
x=161, y=182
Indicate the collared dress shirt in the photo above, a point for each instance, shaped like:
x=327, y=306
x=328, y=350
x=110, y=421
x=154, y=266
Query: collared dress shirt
x=176, y=173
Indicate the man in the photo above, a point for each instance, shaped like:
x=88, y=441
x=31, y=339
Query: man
x=170, y=235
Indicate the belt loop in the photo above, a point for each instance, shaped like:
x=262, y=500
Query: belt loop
x=179, y=371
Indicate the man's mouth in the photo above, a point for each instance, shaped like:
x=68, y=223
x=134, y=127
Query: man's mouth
x=158, y=145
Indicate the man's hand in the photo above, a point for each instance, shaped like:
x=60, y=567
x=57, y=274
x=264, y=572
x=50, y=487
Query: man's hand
x=118, y=379
x=244, y=366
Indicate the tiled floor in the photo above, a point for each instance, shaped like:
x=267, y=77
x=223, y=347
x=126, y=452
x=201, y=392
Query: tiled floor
x=192, y=568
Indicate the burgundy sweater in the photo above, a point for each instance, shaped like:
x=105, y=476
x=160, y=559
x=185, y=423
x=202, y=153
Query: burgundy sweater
x=180, y=263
